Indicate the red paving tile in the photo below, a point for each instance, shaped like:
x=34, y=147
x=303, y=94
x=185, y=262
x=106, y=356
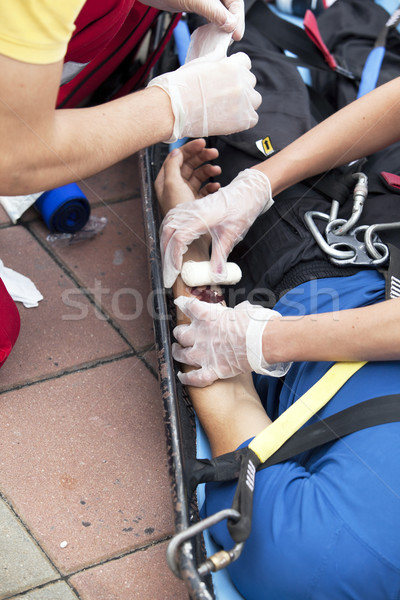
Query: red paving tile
x=151, y=359
x=82, y=455
x=52, y=339
x=143, y=575
x=83, y=460
x=119, y=182
x=114, y=265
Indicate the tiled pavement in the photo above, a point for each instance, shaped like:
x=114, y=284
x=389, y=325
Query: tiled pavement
x=85, y=505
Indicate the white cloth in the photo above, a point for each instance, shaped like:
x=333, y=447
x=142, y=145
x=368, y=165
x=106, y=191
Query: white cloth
x=15, y=206
x=20, y=288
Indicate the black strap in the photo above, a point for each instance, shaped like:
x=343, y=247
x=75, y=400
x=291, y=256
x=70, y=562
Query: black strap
x=376, y=411
x=287, y=36
x=242, y=464
x=337, y=184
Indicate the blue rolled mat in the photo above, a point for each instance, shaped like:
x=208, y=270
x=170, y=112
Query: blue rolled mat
x=65, y=209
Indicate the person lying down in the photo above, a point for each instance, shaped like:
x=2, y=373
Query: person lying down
x=326, y=524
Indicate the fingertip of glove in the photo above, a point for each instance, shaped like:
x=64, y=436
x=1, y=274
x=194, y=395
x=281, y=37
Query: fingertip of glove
x=181, y=377
x=257, y=101
x=170, y=272
x=182, y=301
x=243, y=58
x=168, y=281
x=238, y=33
x=194, y=378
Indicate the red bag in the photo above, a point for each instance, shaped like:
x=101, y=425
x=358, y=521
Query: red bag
x=107, y=34
x=9, y=323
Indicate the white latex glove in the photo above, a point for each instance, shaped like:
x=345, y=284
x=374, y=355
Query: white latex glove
x=228, y=15
x=227, y=215
x=222, y=341
x=212, y=94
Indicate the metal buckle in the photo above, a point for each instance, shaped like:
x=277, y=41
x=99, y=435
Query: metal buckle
x=217, y=561
x=342, y=71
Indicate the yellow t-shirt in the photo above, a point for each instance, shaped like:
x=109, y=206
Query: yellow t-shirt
x=37, y=31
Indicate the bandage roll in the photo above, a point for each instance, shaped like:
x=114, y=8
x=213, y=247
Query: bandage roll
x=195, y=274
x=65, y=209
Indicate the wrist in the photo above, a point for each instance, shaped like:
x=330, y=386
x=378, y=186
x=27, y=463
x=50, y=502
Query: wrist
x=159, y=102
x=259, y=347
x=261, y=187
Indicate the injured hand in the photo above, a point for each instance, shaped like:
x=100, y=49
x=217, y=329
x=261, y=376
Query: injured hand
x=222, y=342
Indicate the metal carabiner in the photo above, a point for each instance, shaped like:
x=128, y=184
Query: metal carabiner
x=217, y=561
x=319, y=238
x=371, y=230
x=360, y=194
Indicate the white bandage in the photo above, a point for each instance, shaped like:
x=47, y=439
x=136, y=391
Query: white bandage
x=195, y=274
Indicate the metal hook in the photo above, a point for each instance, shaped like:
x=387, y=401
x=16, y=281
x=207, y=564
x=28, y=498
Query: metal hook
x=217, y=561
x=371, y=230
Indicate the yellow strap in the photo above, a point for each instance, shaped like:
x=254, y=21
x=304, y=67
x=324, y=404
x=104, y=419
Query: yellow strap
x=275, y=435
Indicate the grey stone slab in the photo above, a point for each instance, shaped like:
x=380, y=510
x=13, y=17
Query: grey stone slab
x=22, y=564
x=53, y=591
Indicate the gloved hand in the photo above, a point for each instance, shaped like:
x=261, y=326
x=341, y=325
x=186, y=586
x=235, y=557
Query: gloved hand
x=222, y=341
x=211, y=97
x=228, y=14
x=211, y=94
x=227, y=215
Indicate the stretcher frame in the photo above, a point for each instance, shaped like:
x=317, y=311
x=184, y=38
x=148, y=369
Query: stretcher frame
x=178, y=415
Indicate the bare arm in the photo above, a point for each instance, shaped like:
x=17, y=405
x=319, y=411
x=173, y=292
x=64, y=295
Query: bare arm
x=370, y=333
x=367, y=333
x=361, y=128
x=41, y=147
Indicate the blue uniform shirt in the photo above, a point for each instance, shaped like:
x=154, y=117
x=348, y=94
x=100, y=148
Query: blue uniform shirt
x=326, y=525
